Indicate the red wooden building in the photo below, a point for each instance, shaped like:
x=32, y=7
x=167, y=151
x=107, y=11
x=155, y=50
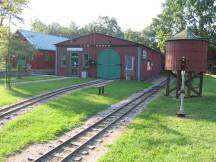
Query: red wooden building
x=44, y=60
x=107, y=57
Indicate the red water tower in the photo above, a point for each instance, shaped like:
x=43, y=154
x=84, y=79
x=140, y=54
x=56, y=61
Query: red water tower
x=194, y=49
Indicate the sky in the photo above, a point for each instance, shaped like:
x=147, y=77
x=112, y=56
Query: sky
x=134, y=14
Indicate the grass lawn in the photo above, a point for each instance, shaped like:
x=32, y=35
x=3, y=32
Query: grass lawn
x=29, y=78
x=157, y=135
x=50, y=120
x=19, y=92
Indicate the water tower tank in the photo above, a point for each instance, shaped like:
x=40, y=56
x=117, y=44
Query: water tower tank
x=187, y=44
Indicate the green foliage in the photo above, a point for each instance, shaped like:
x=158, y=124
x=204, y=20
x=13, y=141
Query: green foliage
x=48, y=121
x=131, y=35
x=3, y=45
x=13, y=47
x=21, y=50
x=39, y=26
x=11, y=9
x=157, y=135
x=146, y=37
x=56, y=29
x=105, y=25
x=149, y=37
x=199, y=15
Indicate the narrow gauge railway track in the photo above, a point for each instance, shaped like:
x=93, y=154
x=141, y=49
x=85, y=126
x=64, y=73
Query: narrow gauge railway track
x=5, y=111
x=67, y=150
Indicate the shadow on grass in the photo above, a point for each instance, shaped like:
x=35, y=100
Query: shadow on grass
x=155, y=124
x=28, y=90
x=89, y=102
x=197, y=108
x=202, y=108
x=18, y=92
x=85, y=102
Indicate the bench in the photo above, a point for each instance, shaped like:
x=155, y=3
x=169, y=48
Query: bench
x=100, y=88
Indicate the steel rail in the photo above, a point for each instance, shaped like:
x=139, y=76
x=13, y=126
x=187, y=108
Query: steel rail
x=149, y=93
x=30, y=101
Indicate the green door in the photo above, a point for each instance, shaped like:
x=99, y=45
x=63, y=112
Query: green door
x=108, y=64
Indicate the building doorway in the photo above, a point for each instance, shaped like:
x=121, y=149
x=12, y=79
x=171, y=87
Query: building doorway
x=74, y=64
x=108, y=64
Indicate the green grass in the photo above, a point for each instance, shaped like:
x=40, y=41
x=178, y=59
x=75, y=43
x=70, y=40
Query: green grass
x=50, y=120
x=19, y=92
x=29, y=78
x=157, y=135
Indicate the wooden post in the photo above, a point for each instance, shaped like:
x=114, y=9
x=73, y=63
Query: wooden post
x=200, y=84
x=99, y=90
x=102, y=89
x=189, y=83
x=168, y=84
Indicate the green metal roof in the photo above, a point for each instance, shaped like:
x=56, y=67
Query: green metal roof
x=186, y=34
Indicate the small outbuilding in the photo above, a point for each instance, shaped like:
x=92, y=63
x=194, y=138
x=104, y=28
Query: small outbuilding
x=44, y=60
x=107, y=57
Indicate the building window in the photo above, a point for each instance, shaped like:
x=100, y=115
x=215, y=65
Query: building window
x=46, y=56
x=86, y=60
x=144, y=54
x=149, y=65
x=129, y=62
x=63, y=59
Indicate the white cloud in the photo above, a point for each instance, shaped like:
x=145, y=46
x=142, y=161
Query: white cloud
x=135, y=14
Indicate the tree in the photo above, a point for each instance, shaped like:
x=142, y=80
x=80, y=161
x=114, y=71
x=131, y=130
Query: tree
x=199, y=15
x=146, y=37
x=134, y=36
x=73, y=30
x=54, y=29
x=10, y=10
x=39, y=26
x=169, y=22
x=22, y=51
x=105, y=25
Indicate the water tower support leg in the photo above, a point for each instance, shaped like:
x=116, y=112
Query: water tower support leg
x=200, y=84
x=168, y=84
x=189, y=83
